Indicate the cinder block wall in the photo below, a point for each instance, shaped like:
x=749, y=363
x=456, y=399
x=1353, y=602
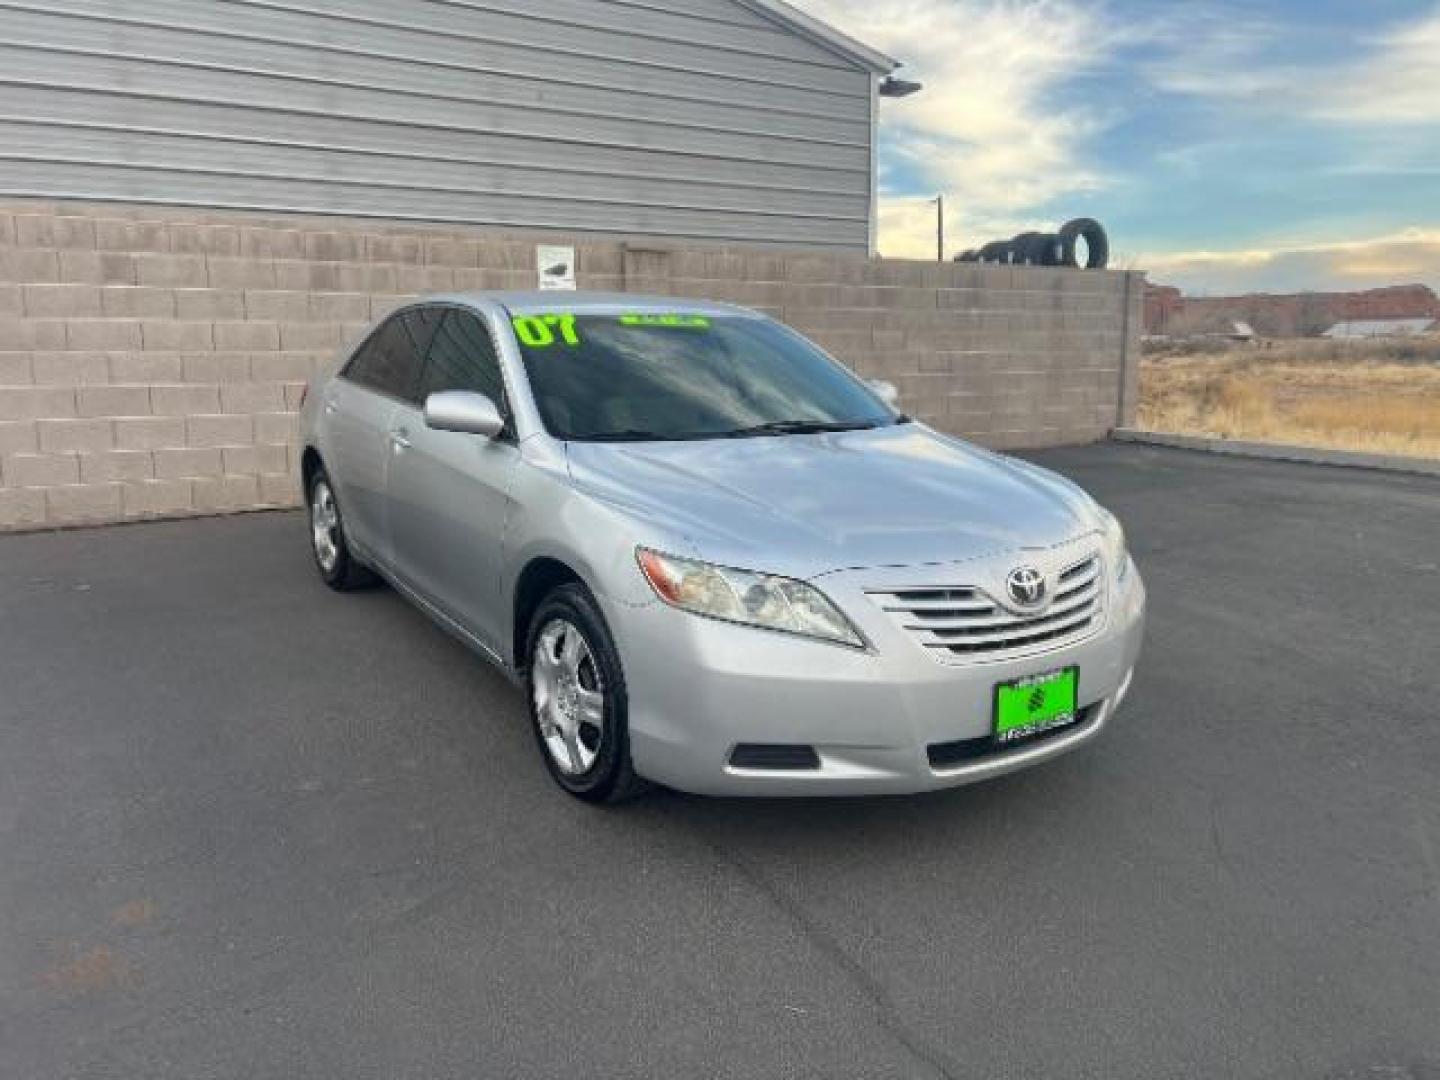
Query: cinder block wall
x=151, y=361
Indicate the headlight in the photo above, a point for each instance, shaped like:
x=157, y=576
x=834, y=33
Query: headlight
x=1116, y=553
x=742, y=596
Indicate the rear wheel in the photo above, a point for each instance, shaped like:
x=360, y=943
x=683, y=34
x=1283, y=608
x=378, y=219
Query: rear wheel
x=333, y=558
x=577, y=698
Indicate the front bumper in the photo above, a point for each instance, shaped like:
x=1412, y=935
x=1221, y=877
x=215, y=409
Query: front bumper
x=697, y=688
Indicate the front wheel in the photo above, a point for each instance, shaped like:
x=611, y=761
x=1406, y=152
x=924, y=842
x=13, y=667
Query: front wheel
x=578, y=705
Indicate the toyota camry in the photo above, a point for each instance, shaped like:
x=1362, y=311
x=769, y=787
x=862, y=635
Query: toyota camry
x=713, y=557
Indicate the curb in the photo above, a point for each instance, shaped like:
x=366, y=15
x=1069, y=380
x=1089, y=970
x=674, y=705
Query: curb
x=1305, y=455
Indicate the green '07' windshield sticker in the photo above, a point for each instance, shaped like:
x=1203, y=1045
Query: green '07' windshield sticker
x=538, y=331
x=677, y=322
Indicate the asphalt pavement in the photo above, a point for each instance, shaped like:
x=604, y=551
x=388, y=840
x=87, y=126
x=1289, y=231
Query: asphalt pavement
x=252, y=828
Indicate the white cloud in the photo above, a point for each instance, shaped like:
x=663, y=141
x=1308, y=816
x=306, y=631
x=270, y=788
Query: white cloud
x=1398, y=83
x=1212, y=52
x=1393, y=77
x=907, y=229
x=1410, y=257
x=990, y=128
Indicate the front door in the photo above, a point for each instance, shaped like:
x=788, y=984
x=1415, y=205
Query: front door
x=449, y=493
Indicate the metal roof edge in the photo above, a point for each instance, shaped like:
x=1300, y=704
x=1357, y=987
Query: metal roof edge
x=824, y=34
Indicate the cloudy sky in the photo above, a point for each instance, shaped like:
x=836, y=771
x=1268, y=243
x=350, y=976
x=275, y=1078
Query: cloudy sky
x=1275, y=144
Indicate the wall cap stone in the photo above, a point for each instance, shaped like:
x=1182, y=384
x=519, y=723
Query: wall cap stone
x=1304, y=455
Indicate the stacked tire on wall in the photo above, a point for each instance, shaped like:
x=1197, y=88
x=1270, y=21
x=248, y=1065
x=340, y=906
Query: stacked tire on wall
x=1049, y=249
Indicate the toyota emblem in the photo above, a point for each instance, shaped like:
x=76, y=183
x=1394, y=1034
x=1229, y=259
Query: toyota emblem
x=1026, y=586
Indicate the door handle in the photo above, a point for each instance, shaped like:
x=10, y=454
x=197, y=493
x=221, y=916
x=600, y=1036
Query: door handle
x=400, y=439
x=330, y=406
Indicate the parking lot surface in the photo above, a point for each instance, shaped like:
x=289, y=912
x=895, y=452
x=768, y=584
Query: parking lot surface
x=252, y=828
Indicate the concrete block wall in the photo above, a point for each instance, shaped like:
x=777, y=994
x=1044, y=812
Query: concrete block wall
x=151, y=361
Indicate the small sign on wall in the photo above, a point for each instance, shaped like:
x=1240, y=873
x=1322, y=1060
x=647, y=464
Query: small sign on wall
x=556, y=267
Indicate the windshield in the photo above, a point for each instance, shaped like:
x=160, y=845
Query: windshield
x=646, y=376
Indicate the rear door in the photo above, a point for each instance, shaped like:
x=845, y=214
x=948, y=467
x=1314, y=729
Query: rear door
x=359, y=411
x=449, y=492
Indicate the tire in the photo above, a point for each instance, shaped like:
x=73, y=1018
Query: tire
x=995, y=252
x=337, y=565
x=1095, y=238
x=1043, y=250
x=1021, y=246
x=587, y=754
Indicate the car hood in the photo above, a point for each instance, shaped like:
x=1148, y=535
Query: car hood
x=804, y=505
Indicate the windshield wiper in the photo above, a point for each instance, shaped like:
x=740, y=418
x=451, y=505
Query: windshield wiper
x=774, y=427
x=799, y=427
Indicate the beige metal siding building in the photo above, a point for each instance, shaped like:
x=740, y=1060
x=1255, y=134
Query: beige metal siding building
x=732, y=121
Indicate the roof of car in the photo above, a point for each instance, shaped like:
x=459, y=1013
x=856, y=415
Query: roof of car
x=598, y=303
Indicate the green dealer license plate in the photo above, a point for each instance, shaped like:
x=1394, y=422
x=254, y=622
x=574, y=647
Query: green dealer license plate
x=1035, y=704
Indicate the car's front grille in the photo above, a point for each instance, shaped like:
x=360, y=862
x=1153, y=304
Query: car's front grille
x=966, y=622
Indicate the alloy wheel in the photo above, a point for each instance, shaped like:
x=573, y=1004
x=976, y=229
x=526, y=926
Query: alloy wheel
x=568, y=696
x=325, y=526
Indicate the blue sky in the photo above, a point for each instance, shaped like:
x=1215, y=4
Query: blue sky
x=1276, y=145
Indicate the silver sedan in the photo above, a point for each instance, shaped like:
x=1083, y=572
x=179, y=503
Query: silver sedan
x=714, y=557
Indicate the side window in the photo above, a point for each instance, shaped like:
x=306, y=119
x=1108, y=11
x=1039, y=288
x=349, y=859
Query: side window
x=462, y=357
x=390, y=361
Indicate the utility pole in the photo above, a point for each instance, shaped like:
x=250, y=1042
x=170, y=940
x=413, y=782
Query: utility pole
x=939, y=202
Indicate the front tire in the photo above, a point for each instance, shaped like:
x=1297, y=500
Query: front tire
x=576, y=693
x=338, y=567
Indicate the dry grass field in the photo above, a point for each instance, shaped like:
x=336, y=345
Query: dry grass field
x=1382, y=397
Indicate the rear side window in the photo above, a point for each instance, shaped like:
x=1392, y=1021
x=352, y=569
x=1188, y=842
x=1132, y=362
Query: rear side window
x=462, y=357
x=389, y=362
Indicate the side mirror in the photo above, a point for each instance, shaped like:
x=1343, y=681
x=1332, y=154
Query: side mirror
x=463, y=411
x=887, y=391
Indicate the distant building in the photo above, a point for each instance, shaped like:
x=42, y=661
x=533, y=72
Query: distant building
x=1383, y=328
x=1169, y=313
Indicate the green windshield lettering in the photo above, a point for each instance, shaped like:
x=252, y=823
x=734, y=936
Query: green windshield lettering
x=543, y=331
x=672, y=322
x=538, y=331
